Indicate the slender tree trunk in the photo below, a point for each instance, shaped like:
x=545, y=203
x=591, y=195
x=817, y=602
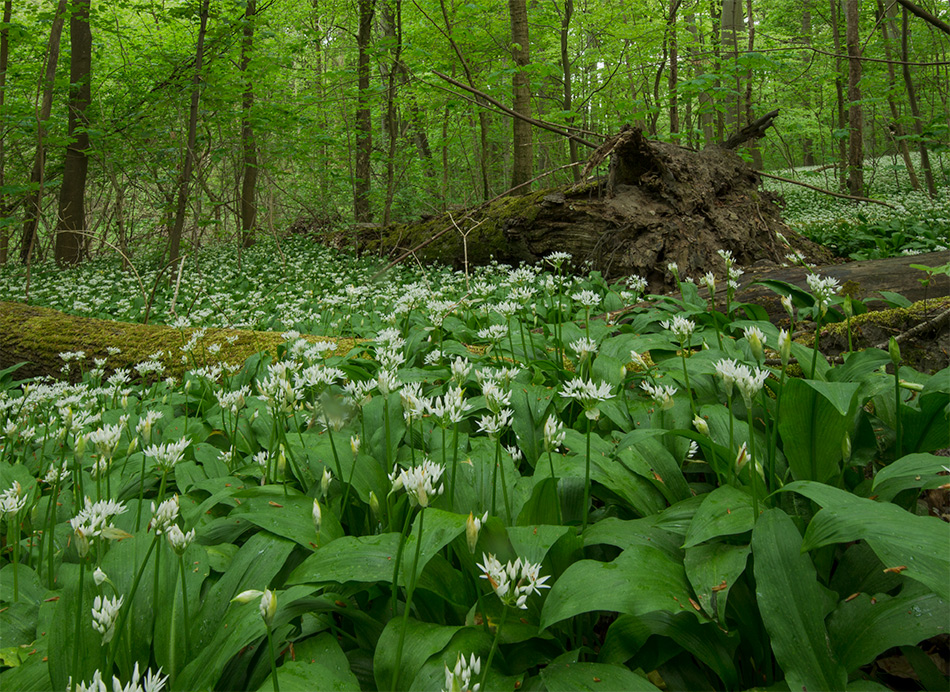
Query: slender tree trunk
x=484, y=156
x=392, y=30
x=706, y=107
x=808, y=145
x=523, y=151
x=754, y=149
x=72, y=193
x=731, y=26
x=839, y=91
x=855, y=111
x=898, y=129
x=715, y=13
x=915, y=110
x=673, y=79
x=567, y=102
x=5, y=203
x=362, y=210
x=248, y=140
x=174, y=235
x=37, y=176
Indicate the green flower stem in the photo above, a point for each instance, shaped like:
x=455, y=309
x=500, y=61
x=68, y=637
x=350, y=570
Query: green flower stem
x=138, y=510
x=411, y=587
x=689, y=389
x=127, y=606
x=273, y=658
x=173, y=637
x=586, y=479
x=74, y=667
x=399, y=549
x=753, y=473
x=557, y=497
x=504, y=485
x=899, y=429
x=455, y=465
x=814, y=353
x=184, y=600
x=494, y=645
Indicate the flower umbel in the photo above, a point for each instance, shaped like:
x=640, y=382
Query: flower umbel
x=513, y=582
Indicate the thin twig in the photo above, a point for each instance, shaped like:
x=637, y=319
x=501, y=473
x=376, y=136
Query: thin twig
x=827, y=192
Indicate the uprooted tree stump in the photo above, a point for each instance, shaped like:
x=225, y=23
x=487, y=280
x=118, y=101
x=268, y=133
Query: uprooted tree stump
x=659, y=203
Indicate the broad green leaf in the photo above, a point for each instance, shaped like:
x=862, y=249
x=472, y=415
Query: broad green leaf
x=532, y=543
x=911, y=471
x=706, y=641
x=928, y=428
x=581, y=677
x=422, y=640
x=725, y=511
x=642, y=579
x=634, y=532
x=790, y=602
x=866, y=626
x=920, y=546
x=530, y=403
x=320, y=666
x=712, y=569
x=351, y=558
x=812, y=427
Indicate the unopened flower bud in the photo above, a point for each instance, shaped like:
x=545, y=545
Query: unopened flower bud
x=268, y=606
x=317, y=516
x=99, y=576
x=133, y=445
x=846, y=448
x=701, y=425
x=472, y=527
x=374, y=505
x=784, y=346
x=894, y=350
x=325, y=482
x=355, y=444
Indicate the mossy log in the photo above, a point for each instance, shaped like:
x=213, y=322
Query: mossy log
x=660, y=203
x=36, y=336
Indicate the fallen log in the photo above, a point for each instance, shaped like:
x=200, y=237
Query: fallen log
x=37, y=336
x=660, y=203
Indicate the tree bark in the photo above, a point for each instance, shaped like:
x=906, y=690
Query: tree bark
x=248, y=140
x=34, y=200
x=915, y=111
x=898, y=129
x=567, y=102
x=174, y=235
x=855, y=111
x=72, y=194
x=842, y=121
x=808, y=145
x=523, y=151
x=731, y=23
x=673, y=80
x=362, y=210
x=5, y=204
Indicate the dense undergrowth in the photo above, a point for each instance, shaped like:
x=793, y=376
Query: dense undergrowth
x=492, y=491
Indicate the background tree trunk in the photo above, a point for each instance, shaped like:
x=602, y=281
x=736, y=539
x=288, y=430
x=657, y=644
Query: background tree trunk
x=248, y=141
x=898, y=129
x=362, y=210
x=174, y=235
x=5, y=204
x=855, y=111
x=915, y=110
x=34, y=199
x=523, y=151
x=839, y=92
x=567, y=102
x=72, y=194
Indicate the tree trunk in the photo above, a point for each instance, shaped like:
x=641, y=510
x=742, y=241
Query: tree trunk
x=521, y=141
x=174, y=235
x=808, y=145
x=673, y=80
x=855, y=111
x=915, y=111
x=37, y=175
x=248, y=141
x=567, y=102
x=898, y=129
x=5, y=204
x=706, y=107
x=731, y=27
x=839, y=91
x=392, y=30
x=72, y=194
x=362, y=210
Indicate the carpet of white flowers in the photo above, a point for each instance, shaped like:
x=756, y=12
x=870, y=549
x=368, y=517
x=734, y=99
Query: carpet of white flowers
x=494, y=489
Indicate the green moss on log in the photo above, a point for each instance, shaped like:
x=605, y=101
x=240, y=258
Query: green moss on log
x=37, y=336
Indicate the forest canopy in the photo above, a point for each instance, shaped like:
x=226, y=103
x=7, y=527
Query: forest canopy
x=146, y=125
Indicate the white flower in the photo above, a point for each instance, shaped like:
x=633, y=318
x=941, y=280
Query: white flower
x=588, y=299
x=420, y=481
x=553, y=433
x=673, y=268
x=756, y=339
x=637, y=283
x=152, y=682
x=701, y=425
x=728, y=370
x=317, y=515
x=179, y=540
x=784, y=346
x=495, y=397
x=99, y=576
x=680, y=326
x=661, y=394
x=93, y=521
x=12, y=501
x=105, y=611
x=105, y=439
x=167, y=454
x=588, y=394
x=472, y=526
x=709, y=280
x=494, y=333
x=584, y=347
x=750, y=381
x=556, y=259
x=459, y=678
x=513, y=582
x=165, y=515
x=638, y=361
x=461, y=367
x=823, y=288
x=493, y=424
x=268, y=606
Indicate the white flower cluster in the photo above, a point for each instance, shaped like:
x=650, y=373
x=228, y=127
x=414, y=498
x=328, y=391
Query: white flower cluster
x=459, y=678
x=749, y=380
x=588, y=394
x=167, y=454
x=661, y=394
x=420, y=481
x=105, y=611
x=513, y=582
x=152, y=682
x=12, y=500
